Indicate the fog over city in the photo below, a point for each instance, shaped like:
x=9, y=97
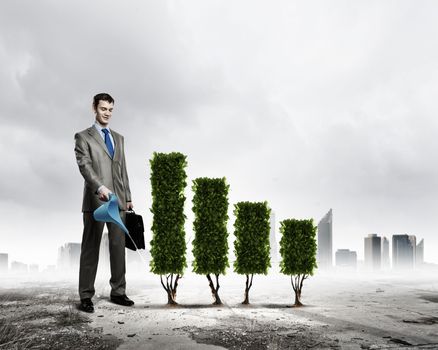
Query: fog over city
x=307, y=105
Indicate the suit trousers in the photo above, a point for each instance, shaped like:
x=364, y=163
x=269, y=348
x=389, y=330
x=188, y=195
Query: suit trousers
x=89, y=259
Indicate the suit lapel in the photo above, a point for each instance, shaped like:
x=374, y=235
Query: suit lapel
x=116, y=143
x=94, y=133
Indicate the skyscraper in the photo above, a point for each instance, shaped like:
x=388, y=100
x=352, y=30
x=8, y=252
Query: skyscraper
x=273, y=240
x=68, y=256
x=403, y=252
x=346, y=258
x=386, y=263
x=325, y=241
x=4, y=262
x=34, y=268
x=419, y=256
x=413, y=242
x=18, y=267
x=373, y=252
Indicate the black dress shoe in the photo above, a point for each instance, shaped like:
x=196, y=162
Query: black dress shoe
x=86, y=305
x=121, y=300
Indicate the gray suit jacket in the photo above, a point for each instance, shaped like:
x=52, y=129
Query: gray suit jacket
x=97, y=168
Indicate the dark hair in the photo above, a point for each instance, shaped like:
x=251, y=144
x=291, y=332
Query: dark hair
x=102, y=97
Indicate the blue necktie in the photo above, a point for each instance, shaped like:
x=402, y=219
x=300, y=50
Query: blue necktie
x=108, y=143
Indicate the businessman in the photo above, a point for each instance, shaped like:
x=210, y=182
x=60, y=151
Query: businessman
x=100, y=156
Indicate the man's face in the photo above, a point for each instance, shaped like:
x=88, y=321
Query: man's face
x=103, y=111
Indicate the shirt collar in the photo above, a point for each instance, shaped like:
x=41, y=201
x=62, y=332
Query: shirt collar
x=99, y=127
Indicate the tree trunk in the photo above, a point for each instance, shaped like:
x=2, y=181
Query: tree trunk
x=217, y=299
x=297, y=285
x=248, y=285
x=298, y=299
x=170, y=287
x=214, y=290
x=171, y=299
x=246, y=300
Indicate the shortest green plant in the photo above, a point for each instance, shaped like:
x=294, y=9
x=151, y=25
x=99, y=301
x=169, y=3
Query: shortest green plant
x=251, y=246
x=298, y=252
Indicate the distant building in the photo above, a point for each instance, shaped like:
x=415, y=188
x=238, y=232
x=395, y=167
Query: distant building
x=325, y=241
x=34, y=268
x=4, y=262
x=273, y=240
x=430, y=267
x=386, y=261
x=68, y=256
x=18, y=267
x=373, y=252
x=346, y=258
x=403, y=252
x=419, y=253
x=413, y=241
x=50, y=269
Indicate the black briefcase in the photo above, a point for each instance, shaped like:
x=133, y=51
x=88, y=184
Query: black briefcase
x=134, y=224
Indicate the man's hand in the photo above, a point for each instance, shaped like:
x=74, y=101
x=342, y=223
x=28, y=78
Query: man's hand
x=104, y=194
x=129, y=206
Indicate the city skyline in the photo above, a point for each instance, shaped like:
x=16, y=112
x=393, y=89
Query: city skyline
x=329, y=255
x=406, y=254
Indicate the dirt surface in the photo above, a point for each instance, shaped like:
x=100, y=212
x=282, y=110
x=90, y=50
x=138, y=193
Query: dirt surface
x=339, y=313
x=241, y=333
x=42, y=318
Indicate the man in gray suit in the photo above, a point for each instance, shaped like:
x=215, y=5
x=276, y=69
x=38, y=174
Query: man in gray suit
x=101, y=159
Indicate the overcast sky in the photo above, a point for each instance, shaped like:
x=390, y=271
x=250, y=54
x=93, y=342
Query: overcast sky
x=308, y=105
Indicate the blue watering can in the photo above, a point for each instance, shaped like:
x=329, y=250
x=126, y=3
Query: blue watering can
x=109, y=212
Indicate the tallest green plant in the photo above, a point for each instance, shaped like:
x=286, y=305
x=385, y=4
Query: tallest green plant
x=168, y=245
